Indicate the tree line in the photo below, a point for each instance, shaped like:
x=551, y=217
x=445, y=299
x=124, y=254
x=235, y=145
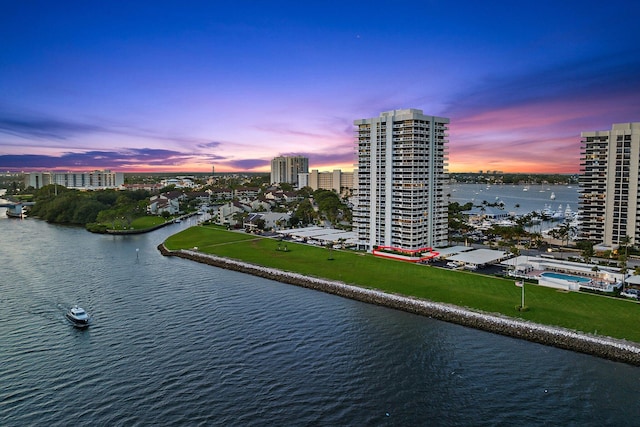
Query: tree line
x=320, y=204
x=61, y=205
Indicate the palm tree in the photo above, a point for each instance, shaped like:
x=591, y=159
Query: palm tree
x=624, y=242
x=536, y=239
x=239, y=217
x=329, y=246
x=570, y=231
x=587, y=250
x=564, y=232
x=515, y=251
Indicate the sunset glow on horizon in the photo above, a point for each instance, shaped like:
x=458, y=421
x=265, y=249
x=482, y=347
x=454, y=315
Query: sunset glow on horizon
x=169, y=87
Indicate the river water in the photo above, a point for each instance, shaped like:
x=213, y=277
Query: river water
x=180, y=343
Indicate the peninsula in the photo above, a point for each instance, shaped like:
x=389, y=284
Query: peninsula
x=574, y=321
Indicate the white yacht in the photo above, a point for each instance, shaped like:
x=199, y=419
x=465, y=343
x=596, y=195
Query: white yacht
x=559, y=214
x=78, y=317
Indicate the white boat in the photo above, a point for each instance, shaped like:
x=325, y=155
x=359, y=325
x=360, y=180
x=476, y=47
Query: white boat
x=16, y=211
x=559, y=214
x=78, y=317
x=553, y=195
x=568, y=213
x=547, y=212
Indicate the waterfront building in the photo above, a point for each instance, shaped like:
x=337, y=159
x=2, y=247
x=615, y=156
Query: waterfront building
x=609, y=203
x=222, y=193
x=148, y=186
x=286, y=169
x=402, y=169
x=37, y=179
x=164, y=203
x=335, y=180
x=94, y=180
x=179, y=182
x=246, y=192
x=272, y=220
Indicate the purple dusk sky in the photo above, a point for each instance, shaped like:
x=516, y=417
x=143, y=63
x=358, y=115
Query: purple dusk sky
x=187, y=85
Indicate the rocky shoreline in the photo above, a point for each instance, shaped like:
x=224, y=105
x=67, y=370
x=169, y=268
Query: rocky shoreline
x=604, y=347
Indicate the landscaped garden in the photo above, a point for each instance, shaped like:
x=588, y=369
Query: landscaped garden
x=573, y=310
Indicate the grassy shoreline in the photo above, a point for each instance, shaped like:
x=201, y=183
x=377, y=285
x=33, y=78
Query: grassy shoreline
x=574, y=311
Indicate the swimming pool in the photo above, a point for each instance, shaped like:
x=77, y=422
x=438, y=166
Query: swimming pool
x=567, y=277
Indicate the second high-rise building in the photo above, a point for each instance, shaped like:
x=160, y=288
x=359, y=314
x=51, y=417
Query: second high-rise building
x=609, y=190
x=402, y=168
x=287, y=168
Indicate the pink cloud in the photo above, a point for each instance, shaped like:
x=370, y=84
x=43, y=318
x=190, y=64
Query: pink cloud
x=536, y=137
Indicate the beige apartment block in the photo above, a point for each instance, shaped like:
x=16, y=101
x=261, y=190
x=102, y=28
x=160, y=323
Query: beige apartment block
x=335, y=180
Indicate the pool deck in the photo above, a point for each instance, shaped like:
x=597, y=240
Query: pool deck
x=600, y=278
x=573, y=278
x=572, y=285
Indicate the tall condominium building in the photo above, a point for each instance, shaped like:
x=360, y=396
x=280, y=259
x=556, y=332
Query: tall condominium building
x=402, y=168
x=609, y=203
x=286, y=169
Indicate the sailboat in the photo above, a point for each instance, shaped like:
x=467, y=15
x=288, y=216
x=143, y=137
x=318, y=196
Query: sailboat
x=553, y=195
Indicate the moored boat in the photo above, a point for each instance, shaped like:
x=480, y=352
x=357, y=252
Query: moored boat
x=78, y=317
x=16, y=211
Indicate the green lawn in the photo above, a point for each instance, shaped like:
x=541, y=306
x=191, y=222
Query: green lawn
x=140, y=223
x=147, y=222
x=572, y=310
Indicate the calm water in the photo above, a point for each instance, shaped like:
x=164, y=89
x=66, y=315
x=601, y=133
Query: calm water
x=515, y=198
x=179, y=343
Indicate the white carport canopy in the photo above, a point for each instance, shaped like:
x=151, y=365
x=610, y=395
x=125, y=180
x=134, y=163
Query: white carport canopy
x=348, y=237
x=633, y=280
x=321, y=234
x=453, y=250
x=308, y=231
x=479, y=257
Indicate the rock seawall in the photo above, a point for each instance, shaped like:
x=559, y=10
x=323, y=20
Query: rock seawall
x=605, y=347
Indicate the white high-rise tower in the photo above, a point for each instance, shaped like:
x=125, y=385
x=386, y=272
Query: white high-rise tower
x=402, y=168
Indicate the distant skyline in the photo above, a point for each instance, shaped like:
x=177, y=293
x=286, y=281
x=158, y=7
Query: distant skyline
x=168, y=86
